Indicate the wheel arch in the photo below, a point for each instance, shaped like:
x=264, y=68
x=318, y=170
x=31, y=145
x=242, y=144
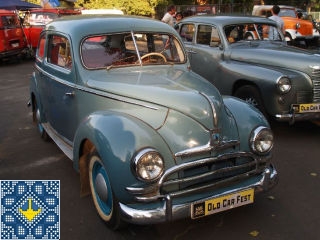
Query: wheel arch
x=243, y=82
x=117, y=138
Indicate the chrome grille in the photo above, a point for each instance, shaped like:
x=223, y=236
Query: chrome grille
x=315, y=76
x=304, y=97
x=202, y=174
x=210, y=171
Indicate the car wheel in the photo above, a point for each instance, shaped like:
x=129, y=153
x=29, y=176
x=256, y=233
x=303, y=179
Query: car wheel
x=36, y=118
x=288, y=39
x=104, y=200
x=251, y=95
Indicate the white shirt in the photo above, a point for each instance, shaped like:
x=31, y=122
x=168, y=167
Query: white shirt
x=168, y=18
x=273, y=33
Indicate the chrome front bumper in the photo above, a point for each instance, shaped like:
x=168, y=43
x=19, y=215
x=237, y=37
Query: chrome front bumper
x=294, y=117
x=169, y=212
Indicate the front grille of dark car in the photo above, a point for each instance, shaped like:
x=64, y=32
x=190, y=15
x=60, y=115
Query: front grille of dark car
x=315, y=76
x=304, y=97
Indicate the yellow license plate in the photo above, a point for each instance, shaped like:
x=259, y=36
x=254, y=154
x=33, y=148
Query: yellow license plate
x=226, y=202
x=307, y=107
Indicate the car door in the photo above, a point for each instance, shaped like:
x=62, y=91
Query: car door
x=58, y=86
x=204, y=50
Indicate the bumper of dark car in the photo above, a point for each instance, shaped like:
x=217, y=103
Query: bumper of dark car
x=169, y=211
x=295, y=117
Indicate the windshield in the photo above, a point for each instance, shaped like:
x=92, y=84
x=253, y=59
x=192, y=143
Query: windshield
x=252, y=32
x=128, y=49
x=287, y=12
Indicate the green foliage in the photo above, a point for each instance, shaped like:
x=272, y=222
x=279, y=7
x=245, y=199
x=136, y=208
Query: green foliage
x=131, y=7
x=147, y=7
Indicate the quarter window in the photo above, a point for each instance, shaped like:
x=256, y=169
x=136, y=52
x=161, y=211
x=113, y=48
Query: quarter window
x=41, y=47
x=187, y=32
x=59, y=52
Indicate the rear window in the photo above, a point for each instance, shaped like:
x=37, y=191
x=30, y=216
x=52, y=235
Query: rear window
x=285, y=12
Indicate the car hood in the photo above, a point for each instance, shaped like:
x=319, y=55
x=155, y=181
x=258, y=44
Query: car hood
x=275, y=54
x=168, y=87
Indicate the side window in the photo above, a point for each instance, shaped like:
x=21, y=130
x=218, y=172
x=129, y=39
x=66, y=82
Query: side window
x=187, y=32
x=234, y=33
x=41, y=47
x=215, y=38
x=204, y=34
x=59, y=52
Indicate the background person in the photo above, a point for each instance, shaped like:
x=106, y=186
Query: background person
x=168, y=17
x=272, y=32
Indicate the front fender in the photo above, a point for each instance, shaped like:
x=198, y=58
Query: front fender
x=247, y=122
x=117, y=138
x=293, y=33
x=265, y=79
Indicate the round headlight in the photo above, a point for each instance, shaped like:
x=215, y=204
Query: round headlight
x=148, y=165
x=284, y=84
x=261, y=140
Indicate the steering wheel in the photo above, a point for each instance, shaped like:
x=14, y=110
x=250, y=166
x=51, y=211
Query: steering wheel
x=155, y=54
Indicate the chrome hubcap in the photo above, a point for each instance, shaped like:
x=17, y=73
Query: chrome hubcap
x=101, y=187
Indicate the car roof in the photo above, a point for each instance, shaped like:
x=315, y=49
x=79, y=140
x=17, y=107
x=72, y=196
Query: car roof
x=54, y=10
x=227, y=20
x=79, y=26
x=271, y=6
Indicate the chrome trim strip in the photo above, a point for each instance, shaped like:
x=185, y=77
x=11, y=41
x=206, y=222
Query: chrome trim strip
x=95, y=92
x=214, y=112
x=207, y=148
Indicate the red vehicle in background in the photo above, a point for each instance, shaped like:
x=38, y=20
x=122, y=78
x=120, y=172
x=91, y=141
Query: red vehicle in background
x=12, y=40
x=36, y=19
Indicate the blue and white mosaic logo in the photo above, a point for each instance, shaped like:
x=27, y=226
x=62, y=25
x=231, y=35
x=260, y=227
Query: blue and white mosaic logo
x=30, y=209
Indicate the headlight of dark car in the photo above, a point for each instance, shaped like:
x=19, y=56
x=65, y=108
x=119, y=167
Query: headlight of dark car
x=261, y=140
x=284, y=84
x=148, y=165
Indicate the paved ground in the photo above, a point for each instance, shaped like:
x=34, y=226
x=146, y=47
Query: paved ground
x=288, y=212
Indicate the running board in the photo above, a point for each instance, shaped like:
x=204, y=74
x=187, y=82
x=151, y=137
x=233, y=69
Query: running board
x=65, y=147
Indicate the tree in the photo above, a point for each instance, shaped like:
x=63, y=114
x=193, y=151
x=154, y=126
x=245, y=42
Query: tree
x=131, y=7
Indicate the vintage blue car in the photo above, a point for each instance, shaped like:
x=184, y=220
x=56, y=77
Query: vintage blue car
x=247, y=57
x=152, y=140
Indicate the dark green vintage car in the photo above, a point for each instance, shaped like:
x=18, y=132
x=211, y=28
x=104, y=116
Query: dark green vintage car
x=247, y=57
x=152, y=140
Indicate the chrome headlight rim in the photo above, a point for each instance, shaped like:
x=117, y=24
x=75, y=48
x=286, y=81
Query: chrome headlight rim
x=284, y=84
x=261, y=140
x=143, y=163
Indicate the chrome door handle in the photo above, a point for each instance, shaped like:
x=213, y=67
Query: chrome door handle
x=70, y=94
